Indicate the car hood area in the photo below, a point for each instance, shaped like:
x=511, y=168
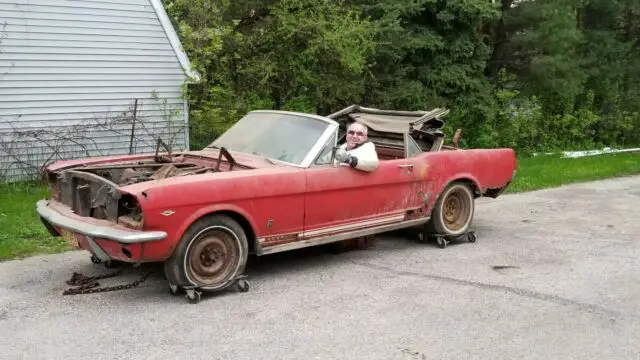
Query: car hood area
x=152, y=169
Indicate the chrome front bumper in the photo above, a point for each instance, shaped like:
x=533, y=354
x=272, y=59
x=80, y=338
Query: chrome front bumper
x=97, y=229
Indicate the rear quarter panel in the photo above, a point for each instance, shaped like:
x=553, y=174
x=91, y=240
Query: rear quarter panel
x=487, y=168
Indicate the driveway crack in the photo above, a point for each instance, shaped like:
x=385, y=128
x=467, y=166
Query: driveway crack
x=586, y=307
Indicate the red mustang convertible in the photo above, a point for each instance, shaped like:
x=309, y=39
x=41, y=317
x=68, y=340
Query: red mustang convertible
x=270, y=184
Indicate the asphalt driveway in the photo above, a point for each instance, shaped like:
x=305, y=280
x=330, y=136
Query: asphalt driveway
x=554, y=274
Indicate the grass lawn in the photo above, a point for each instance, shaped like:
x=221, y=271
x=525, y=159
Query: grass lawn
x=550, y=171
x=22, y=233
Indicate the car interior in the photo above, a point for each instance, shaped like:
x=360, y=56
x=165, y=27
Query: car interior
x=397, y=145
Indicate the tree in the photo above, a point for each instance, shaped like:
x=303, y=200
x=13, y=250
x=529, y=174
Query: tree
x=306, y=55
x=525, y=73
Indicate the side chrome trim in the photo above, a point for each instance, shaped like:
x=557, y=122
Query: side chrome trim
x=103, y=230
x=339, y=237
x=353, y=226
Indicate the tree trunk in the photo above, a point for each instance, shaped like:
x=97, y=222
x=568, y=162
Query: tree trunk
x=497, y=59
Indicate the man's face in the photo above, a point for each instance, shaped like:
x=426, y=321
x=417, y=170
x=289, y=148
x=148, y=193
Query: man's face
x=356, y=134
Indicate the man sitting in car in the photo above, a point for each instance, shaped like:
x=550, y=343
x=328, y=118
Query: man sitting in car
x=357, y=152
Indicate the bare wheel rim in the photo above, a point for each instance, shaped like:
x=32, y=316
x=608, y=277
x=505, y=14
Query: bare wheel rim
x=213, y=257
x=456, y=210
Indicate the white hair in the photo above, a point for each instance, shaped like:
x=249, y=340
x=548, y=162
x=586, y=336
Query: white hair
x=366, y=128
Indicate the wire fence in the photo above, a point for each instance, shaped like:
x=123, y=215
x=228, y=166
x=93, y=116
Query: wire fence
x=27, y=145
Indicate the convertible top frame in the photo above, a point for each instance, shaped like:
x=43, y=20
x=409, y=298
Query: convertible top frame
x=390, y=128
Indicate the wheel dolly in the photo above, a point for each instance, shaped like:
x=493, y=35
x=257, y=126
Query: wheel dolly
x=194, y=293
x=443, y=239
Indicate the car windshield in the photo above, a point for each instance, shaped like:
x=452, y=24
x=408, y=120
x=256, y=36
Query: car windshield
x=279, y=136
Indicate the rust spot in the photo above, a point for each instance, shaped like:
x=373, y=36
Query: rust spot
x=414, y=214
x=164, y=172
x=279, y=239
x=421, y=171
x=130, y=222
x=456, y=138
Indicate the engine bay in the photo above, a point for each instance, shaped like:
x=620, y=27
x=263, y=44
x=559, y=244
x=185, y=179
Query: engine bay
x=160, y=167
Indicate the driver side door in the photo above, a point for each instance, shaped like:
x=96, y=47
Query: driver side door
x=340, y=199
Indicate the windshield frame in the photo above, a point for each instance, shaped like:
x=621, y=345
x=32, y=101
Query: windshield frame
x=314, y=151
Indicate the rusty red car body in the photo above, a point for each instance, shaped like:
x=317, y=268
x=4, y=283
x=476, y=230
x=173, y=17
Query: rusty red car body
x=262, y=187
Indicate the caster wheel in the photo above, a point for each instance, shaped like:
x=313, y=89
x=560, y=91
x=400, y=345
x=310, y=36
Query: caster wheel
x=442, y=242
x=175, y=290
x=95, y=259
x=193, y=296
x=112, y=264
x=243, y=285
x=471, y=237
x=421, y=237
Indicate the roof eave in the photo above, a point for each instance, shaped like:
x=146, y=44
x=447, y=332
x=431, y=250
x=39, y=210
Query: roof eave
x=169, y=30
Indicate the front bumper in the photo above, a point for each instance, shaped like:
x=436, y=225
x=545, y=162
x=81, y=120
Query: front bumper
x=56, y=215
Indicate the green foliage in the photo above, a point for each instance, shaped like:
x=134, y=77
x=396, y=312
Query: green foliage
x=547, y=57
x=431, y=54
x=213, y=101
x=536, y=75
x=299, y=55
x=522, y=124
x=306, y=53
x=578, y=60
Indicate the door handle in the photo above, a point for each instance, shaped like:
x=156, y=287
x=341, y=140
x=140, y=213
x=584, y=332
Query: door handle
x=406, y=166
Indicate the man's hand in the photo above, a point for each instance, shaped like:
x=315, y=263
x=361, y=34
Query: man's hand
x=342, y=155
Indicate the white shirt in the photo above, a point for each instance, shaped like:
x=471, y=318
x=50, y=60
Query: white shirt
x=366, y=155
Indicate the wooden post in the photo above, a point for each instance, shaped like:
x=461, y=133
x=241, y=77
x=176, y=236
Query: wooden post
x=133, y=127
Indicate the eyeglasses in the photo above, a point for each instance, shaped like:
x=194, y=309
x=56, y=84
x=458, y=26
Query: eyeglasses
x=359, y=133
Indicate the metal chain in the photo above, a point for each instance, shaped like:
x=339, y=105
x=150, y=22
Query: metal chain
x=79, y=279
x=89, y=286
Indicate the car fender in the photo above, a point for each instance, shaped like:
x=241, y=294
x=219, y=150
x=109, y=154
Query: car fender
x=203, y=211
x=465, y=176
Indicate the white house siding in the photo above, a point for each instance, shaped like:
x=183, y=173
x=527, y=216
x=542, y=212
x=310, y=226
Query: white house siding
x=68, y=68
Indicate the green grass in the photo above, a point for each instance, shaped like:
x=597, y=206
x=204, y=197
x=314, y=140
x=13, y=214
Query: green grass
x=548, y=171
x=22, y=234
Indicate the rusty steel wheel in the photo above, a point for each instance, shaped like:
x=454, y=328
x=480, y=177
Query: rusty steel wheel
x=457, y=209
x=453, y=212
x=211, y=254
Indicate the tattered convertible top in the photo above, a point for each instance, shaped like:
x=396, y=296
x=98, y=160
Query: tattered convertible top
x=385, y=123
x=392, y=121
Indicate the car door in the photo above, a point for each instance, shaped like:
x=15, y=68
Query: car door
x=342, y=199
x=420, y=194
